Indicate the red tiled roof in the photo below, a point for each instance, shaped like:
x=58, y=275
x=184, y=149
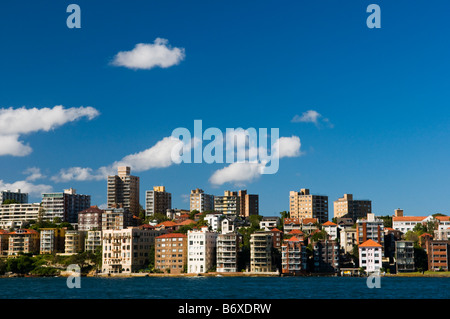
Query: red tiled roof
x=370, y=243
x=296, y=231
x=146, y=226
x=292, y=220
x=92, y=209
x=309, y=221
x=443, y=218
x=275, y=230
x=186, y=222
x=24, y=232
x=328, y=223
x=166, y=223
x=293, y=238
x=408, y=218
x=173, y=235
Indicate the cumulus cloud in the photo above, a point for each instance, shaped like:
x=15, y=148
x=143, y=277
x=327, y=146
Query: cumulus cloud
x=33, y=173
x=26, y=187
x=311, y=116
x=241, y=173
x=77, y=174
x=237, y=173
x=17, y=122
x=149, y=55
x=288, y=146
x=157, y=156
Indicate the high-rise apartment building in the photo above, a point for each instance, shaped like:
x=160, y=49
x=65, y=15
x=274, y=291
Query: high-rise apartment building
x=157, y=201
x=347, y=207
x=228, y=204
x=65, y=205
x=201, y=201
x=305, y=205
x=123, y=189
x=249, y=204
x=18, y=197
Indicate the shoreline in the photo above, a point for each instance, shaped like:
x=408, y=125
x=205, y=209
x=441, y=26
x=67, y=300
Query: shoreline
x=216, y=274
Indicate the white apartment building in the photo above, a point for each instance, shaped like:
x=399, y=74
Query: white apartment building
x=348, y=239
x=213, y=220
x=93, y=240
x=407, y=223
x=370, y=256
x=269, y=222
x=17, y=215
x=201, y=250
x=331, y=229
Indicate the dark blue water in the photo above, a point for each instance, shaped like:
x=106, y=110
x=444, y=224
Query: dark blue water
x=226, y=288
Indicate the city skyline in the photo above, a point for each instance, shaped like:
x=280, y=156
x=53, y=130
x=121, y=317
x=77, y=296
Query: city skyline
x=363, y=111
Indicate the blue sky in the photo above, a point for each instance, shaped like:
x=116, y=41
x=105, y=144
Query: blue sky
x=252, y=64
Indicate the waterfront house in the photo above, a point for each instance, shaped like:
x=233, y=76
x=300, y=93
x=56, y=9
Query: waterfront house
x=293, y=256
x=370, y=255
x=171, y=252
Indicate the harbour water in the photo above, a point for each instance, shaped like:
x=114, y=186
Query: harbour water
x=226, y=288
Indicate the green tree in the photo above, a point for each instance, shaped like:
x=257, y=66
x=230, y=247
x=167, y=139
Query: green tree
x=320, y=235
x=420, y=258
x=193, y=213
x=10, y=201
x=387, y=220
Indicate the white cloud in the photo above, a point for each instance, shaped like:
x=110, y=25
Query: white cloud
x=16, y=122
x=288, y=146
x=34, y=174
x=76, y=174
x=147, y=56
x=311, y=116
x=27, y=187
x=157, y=156
x=240, y=173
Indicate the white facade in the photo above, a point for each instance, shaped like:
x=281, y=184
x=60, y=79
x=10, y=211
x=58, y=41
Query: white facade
x=331, y=231
x=18, y=214
x=370, y=256
x=213, y=220
x=267, y=223
x=201, y=250
x=348, y=239
x=405, y=224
